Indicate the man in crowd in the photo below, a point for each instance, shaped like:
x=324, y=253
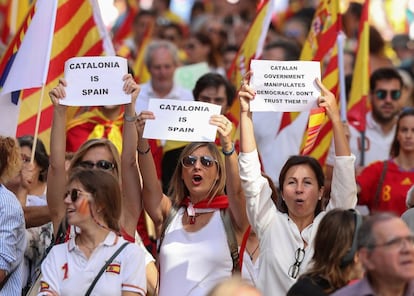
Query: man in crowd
x=386, y=251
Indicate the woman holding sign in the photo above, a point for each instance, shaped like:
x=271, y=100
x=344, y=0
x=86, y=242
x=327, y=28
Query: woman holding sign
x=100, y=154
x=286, y=235
x=199, y=225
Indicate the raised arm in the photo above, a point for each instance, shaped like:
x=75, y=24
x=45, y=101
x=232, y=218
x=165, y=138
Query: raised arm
x=131, y=181
x=343, y=189
x=237, y=201
x=56, y=178
x=328, y=101
x=247, y=140
x=155, y=202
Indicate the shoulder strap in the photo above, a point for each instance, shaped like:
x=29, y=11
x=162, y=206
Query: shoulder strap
x=231, y=239
x=104, y=268
x=168, y=219
x=380, y=182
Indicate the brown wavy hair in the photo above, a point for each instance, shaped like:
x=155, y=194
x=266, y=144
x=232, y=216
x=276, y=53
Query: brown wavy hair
x=10, y=159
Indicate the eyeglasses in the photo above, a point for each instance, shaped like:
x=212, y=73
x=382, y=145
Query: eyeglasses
x=74, y=194
x=100, y=164
x=190, y=161
x=294, y=269
x=382, y=94
x=396, y=243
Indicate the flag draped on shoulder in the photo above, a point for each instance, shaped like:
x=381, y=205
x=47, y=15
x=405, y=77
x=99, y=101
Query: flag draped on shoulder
x=320, y=45
x=76, y=30
x=357, y=105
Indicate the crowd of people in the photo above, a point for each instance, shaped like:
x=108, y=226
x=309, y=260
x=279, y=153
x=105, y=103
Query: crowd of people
x=106, y=211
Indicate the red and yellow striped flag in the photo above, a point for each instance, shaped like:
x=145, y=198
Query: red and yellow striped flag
x=357, y=105
x=316, y=118
x=321, y=39
x=251, y=48
x=124, y=30
x=319, y=46
x=141, y=72
x=14, y=14
x=78, y=31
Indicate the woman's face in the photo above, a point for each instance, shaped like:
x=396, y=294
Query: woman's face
x=26, y=153
x=99, y=157
x=200, y=178
x=196, y=51
x=301, y=191
x=77, y=201
x=405, y=134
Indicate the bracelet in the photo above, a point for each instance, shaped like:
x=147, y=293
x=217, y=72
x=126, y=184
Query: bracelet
x=130, y=118
x=144, y=152
x=230, y=152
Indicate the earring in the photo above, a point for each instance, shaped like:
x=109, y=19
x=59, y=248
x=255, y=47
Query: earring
x=320, y=197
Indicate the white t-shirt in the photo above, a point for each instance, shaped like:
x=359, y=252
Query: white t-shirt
x=67, y=271
x=192, y=263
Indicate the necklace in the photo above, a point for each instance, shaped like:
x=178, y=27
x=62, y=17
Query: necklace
x=251, y=254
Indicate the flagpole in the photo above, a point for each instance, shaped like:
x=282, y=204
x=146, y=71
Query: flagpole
x=13, y=18
x=342, y=94
x=36, y=132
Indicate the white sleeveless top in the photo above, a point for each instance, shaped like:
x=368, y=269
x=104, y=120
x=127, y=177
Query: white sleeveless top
x=192, y=263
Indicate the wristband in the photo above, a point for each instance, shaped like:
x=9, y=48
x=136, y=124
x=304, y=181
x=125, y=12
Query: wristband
x=144, y=152
x=130, y=118
x=230, y=152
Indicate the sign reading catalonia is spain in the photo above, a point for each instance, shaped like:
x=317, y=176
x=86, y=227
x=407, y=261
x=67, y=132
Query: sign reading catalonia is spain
x=285, y=86
x=95, y=81
x=181, y=120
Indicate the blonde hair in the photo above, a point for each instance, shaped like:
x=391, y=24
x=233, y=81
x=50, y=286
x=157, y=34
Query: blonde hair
x=178, y=191
x=10, y=159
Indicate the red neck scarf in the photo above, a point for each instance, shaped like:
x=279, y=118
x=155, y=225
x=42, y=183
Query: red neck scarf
x=218, y=202
x=204, y=206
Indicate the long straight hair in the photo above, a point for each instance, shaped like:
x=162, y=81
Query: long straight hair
x=178, y=191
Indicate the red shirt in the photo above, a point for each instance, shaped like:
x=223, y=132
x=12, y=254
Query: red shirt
x=393, y=190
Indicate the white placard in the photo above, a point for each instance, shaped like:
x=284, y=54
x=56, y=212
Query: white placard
x=95, y=81
x=284, y=86
x=181, y=121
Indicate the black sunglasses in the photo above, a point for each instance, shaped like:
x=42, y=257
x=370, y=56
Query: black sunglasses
x=383, y=93
x=294, y=269
x=74, y=194
x=190, y=161
x=100, y=164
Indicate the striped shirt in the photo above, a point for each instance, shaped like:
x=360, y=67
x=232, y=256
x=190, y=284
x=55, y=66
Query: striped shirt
x=12, y=241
